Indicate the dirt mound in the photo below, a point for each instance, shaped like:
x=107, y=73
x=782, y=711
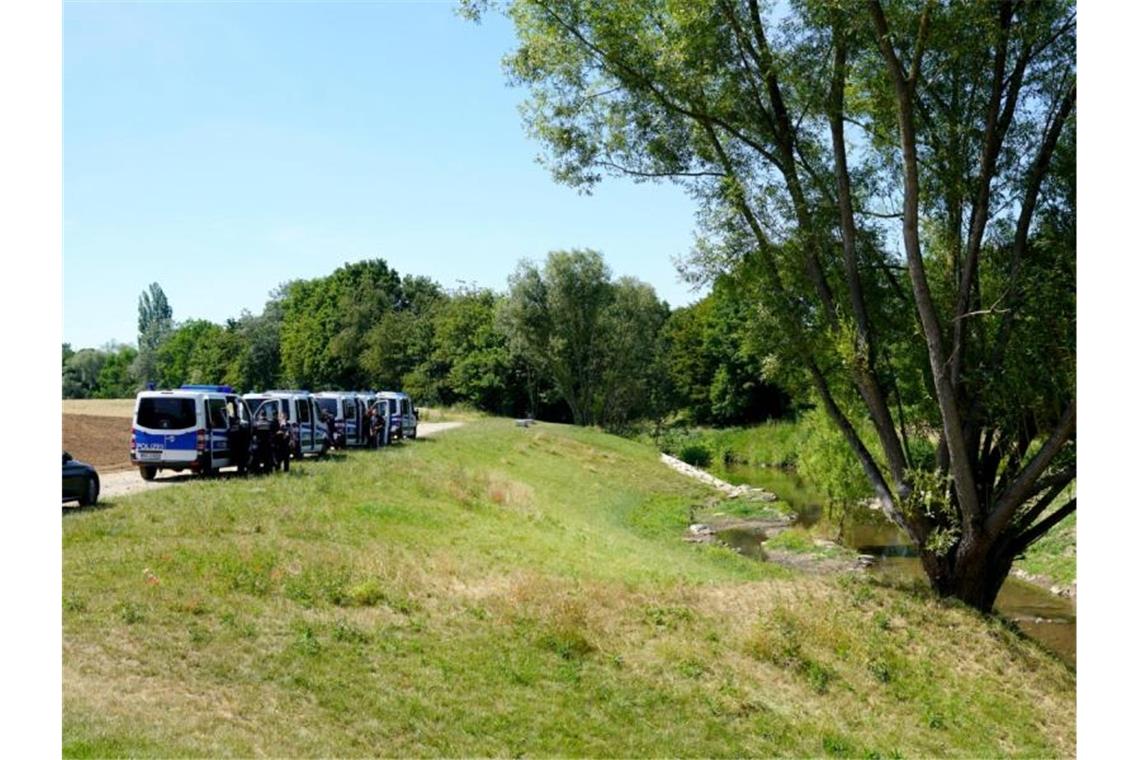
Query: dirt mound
x=103, y=442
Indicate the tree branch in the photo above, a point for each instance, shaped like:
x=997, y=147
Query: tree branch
x=1037, y=175
x=1026, y=539
x=1053, y=486
x=653, y=175
x=866, y=379
x=1022, y=486
x=993, y=138
x=960, y=460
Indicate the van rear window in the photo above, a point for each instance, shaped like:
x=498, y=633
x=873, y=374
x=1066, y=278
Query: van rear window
x=167, y=413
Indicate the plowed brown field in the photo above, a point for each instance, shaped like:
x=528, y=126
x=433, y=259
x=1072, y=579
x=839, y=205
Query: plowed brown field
x=103, y=442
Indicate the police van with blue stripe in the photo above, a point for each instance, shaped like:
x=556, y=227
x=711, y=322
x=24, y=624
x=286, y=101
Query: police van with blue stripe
x=302, y=415
x=201, y=428
x=348, y=412
x=403, y=418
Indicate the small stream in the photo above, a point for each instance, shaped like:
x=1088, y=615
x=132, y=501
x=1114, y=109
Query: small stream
x=1045, y=617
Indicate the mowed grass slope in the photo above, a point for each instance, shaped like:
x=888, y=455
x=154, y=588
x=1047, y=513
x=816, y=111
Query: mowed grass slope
x=501, y=591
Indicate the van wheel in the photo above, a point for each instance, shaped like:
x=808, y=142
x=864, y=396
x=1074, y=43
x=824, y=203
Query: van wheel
x=91, y=494
x=148, y=471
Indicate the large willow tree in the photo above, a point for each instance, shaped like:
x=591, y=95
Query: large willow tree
x=897, y=181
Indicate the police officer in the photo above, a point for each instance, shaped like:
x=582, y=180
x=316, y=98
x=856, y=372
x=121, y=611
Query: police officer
x=283, y=441
x=330, y=425
x=264, y=435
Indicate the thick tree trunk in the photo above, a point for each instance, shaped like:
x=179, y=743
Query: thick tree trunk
x=974, y=573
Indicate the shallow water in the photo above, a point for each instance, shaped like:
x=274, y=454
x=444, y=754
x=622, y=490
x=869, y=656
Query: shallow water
x=1045, y=617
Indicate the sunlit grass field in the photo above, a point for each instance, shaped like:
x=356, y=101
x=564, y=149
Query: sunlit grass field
x=99, y=407
x=508, y=591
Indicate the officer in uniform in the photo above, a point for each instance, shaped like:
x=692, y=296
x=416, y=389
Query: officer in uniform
x=264, y=435
x=283, y=441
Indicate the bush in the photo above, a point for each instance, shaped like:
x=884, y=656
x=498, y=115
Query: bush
x=696, y=454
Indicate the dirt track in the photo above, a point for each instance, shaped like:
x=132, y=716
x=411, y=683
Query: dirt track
x=120, y=482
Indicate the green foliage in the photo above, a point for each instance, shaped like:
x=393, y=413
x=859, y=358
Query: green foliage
x=469, y=362
x=81, y=373
x=115, y=377
x=99, y=373
x=827, y=462
x=713, y=364
x=155, y=324
x=326, y=323
x=592, y=338
x=695, y=454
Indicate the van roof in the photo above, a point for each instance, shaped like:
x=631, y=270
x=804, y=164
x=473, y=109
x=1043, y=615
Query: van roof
x=180, y=394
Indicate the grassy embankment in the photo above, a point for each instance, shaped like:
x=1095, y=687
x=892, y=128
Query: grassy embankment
x=508, y=591
x=779, y=445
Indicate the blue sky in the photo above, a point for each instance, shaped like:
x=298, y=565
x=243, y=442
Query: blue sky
x=221, y=149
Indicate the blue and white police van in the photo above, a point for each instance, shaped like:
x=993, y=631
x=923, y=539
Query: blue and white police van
x=200, y=428
x=403, y=418
x=303, y=417
x=348, y=413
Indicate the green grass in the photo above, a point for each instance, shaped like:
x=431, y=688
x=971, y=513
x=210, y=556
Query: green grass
x=501, y=590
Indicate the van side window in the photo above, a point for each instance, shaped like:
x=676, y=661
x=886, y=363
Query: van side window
x=303, y=410
x=217, y=413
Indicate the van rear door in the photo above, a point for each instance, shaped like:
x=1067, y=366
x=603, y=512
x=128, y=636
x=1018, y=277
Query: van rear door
x=305, y=423
x=219, y=425
x=165, y=429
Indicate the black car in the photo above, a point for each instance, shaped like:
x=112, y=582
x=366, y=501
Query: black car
x=80, y=481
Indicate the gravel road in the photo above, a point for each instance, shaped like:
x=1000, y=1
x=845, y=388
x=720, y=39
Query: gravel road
x=127, y=482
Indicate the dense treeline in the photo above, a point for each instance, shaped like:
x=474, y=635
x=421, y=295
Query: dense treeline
x=568, y=341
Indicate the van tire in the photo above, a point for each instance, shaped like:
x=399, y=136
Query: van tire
x=148, y=471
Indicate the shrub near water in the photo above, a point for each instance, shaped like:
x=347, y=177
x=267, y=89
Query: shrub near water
x=548, y=607
x=695, y=454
